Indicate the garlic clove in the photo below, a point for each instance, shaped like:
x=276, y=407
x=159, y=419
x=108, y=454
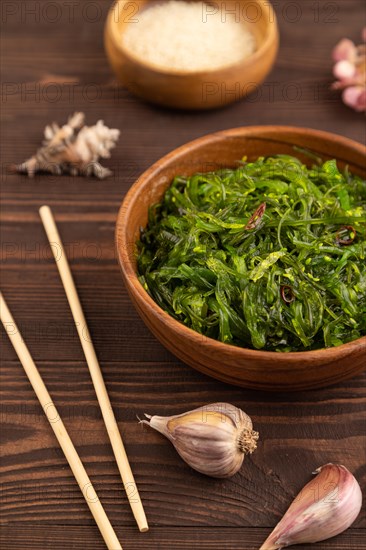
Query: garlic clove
x=325, y=507
x=212, y=439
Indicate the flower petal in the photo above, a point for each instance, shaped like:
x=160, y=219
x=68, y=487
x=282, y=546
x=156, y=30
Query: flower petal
x=344, y=69
x=355, y=97
x=345, y=49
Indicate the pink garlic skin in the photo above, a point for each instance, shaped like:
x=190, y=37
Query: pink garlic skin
x=325, y=507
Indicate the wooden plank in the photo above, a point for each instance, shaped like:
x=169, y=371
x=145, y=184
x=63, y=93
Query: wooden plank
x=328, y=426
x=51, y=69
x=158, y=538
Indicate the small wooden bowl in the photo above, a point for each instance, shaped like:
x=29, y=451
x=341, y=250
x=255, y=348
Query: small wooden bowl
x=249, y=368
x=193, y=90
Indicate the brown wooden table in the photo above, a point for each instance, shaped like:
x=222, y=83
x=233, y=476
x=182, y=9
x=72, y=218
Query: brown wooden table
x=53, y=65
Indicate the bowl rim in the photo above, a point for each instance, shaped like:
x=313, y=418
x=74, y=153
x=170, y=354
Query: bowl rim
x=133, y=285
x=271, y=37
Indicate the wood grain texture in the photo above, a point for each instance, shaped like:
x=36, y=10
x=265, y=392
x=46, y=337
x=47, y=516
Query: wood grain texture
x=162, y=539
x=49, y=71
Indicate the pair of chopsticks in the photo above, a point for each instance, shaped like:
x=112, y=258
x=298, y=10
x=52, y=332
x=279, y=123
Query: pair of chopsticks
x=50, y=410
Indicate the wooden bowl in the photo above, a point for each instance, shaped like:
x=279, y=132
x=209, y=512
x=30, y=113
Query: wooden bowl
x=193, y=90
x=249, y=368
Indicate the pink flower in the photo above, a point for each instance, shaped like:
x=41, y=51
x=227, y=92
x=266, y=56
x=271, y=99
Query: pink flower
x=345, y=49
x=344, y=70
x=350, y=72
x=355, y=97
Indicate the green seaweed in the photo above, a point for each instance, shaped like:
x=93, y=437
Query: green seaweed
x=270, y=255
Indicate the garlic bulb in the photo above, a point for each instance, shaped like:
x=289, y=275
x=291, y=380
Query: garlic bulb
x=325, y=507
x=212, y=439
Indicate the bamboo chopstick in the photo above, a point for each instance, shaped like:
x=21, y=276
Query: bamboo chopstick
x=94, y=368
x=58, y=427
